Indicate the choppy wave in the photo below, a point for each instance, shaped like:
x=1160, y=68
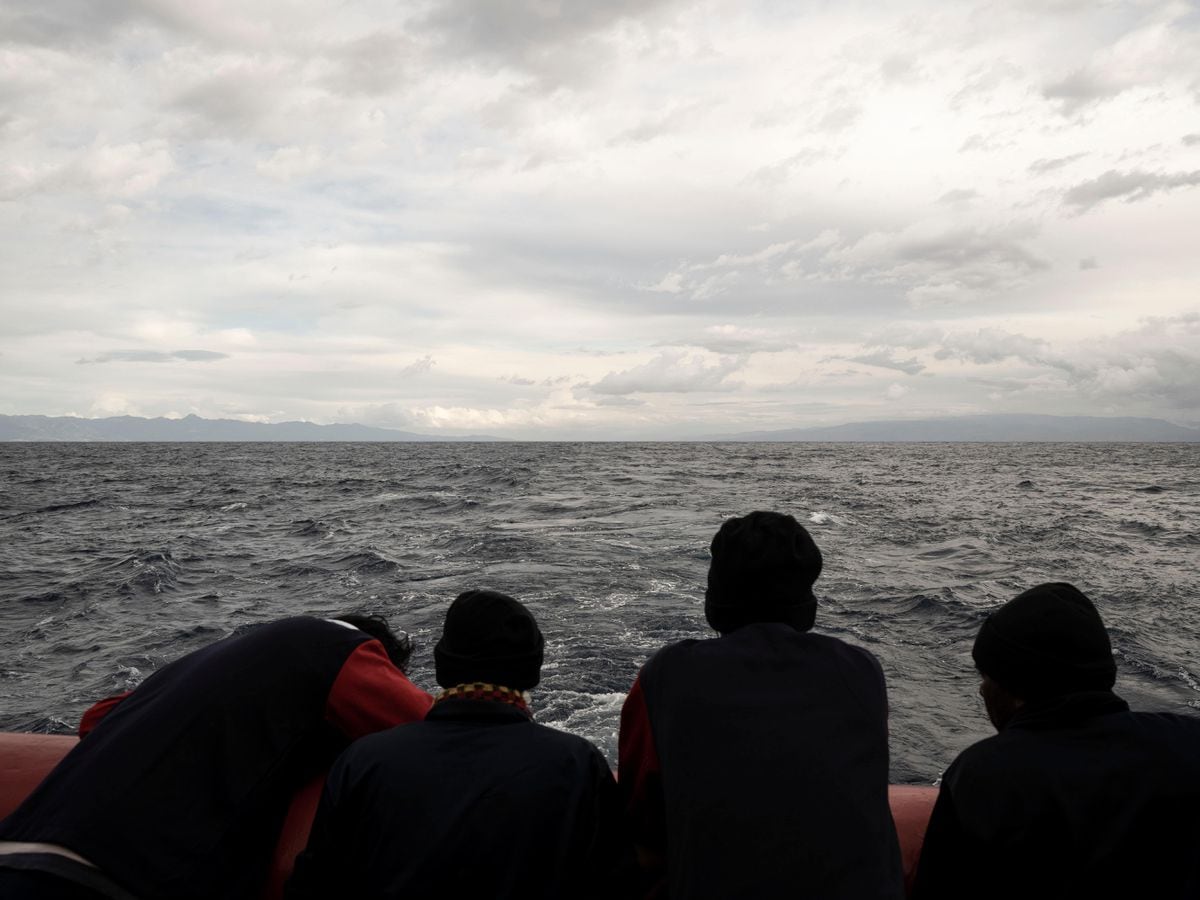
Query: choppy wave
x=128, y=556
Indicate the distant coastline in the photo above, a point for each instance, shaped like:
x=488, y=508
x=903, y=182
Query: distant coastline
x=950, y=429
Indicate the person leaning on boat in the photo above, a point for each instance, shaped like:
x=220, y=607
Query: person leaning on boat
x=755, y=764
x=477, y=801
x=178, y=789
x=1075, y=796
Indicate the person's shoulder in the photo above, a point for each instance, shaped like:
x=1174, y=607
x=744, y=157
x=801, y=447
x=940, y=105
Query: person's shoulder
x=1175, y=730
x=380, y=745
x=851, y=654
x=1167, y=721
x=567, y=743
x=980, y=767
x=299, y=625
x=664, y=655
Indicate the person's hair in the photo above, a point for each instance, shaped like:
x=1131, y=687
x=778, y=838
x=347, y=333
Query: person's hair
x=398, y=646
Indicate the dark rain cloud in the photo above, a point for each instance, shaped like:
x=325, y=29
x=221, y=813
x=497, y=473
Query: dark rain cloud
x=1127, y=186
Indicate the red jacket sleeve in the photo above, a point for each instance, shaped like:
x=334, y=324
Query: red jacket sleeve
x=370, y=694
x=639, y=773
x=98, y=711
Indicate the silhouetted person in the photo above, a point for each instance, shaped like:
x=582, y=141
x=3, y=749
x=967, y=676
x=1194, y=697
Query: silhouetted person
x=1076, y=796
x=755, y=764
x=477, y=801
x=178, y=789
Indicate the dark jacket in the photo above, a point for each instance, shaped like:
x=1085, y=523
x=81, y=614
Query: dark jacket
x=179, y=789
x=756, y=764
x=1076, y=797
x=477, y=801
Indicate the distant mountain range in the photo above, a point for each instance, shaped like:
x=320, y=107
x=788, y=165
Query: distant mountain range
x=1011, y=427
x=949, y=429
x=194, y=428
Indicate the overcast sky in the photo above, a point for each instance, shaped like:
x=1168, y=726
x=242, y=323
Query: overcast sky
x=580, y=218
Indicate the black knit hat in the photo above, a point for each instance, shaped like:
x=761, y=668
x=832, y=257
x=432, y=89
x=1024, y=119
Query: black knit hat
x=1046, y=642
x=763, y=569
x=489, y=637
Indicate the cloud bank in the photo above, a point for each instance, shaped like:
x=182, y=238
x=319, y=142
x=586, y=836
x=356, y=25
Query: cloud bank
x=599, y=220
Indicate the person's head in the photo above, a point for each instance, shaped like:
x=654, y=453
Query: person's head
x=397, y=646
x=763, y=569
x=489, y=637
x=1046, y=642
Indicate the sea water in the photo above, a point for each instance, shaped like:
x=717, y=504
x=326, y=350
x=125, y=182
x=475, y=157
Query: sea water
x=117, y=558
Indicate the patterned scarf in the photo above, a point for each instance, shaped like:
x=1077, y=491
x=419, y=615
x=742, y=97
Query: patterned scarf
x=478, y=690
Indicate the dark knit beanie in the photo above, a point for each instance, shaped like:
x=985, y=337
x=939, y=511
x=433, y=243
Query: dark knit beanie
x=489, y=637
x=1047, y=642
x=763, y=569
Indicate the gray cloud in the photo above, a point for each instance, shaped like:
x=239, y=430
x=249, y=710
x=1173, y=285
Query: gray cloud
x=984, y=81
x=420, y=367
x=659, y=125
x=65, y=21
x=542, y=39
x=992, y=345
x=1042, y=166
x=984, y=143
x=961, y=264
x=1155, y=363
x=778, y=173
x=730, y=340
x=154, y=356
x=969, y=246
x=884, y=360
x=898, y=68
x=373, y=65
x=1191, y=140
x=1080, y=89
x=672, y=372
x=1130, y=186
x=234, y=102
x=839, y=118
x=1088, y=262
x=1153, y=373
x=618, y=401
x=960, y=197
